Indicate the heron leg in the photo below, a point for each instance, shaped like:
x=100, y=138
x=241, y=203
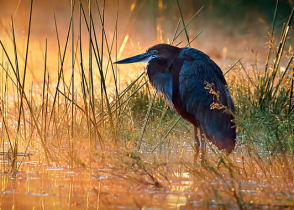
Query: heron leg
x=196, y=143
x=202, y=144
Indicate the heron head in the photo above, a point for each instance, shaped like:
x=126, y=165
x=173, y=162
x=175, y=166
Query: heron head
x=160, y=51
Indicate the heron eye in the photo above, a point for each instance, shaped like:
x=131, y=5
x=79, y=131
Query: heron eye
x=155, y=52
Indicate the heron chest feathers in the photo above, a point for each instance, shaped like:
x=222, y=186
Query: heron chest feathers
x=161, y=78
x=163, y=83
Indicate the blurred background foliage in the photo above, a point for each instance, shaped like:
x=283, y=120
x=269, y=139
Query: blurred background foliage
x=241, y=8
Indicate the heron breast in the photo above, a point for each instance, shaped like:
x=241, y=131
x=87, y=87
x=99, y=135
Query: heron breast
x=163, y=83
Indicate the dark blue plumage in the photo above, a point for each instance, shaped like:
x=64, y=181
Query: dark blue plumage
x=198, y=78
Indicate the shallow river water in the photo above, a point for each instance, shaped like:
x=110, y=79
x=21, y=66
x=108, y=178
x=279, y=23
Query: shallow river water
x=59, y=188
x=137, y=184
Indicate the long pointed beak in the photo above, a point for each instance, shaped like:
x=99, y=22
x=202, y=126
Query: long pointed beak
x=137, y=58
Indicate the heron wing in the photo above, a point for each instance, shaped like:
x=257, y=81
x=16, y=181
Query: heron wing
x=202, y=87
x=198, y=55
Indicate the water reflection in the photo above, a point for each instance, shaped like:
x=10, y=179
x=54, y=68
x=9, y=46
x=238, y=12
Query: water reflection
x=183, y=185
x=82, y=189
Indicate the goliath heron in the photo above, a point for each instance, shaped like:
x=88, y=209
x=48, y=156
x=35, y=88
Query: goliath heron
x=185, y=77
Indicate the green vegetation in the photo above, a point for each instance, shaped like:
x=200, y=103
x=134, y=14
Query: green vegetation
x=242, y=8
